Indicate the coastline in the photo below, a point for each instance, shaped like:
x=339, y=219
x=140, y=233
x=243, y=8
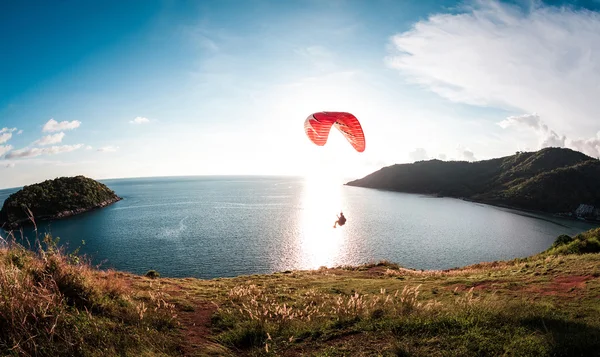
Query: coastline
x=489, y=203
x=59, y=215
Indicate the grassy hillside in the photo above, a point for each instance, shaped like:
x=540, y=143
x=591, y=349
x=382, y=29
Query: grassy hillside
x=53, y=304
x=552, y=179
x=61, y=197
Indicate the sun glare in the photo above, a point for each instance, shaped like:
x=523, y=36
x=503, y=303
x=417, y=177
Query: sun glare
x=321, y=201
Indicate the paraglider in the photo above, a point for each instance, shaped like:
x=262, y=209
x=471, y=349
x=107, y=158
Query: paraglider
x=318, y=125
x=340, y=221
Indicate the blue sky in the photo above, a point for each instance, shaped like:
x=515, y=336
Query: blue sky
x=157, y=88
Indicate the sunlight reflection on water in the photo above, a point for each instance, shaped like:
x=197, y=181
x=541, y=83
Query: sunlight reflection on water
x=319, y=243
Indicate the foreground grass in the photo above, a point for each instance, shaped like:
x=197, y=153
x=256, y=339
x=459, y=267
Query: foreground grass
x=545, y=305
x=55, y=304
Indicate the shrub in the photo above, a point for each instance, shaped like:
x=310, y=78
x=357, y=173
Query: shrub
x=153, y=274
x=586, y=242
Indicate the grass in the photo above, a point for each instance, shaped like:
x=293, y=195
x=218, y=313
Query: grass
x=53, y=303
x=586, y=242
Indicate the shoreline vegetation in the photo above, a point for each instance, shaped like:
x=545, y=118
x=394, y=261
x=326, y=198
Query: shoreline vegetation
x=59, y=198
x=556, y=181
x=55, y=303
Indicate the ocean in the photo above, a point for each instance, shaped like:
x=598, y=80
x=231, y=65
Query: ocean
x=224, y=226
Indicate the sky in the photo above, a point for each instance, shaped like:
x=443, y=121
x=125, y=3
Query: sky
x=118, y=89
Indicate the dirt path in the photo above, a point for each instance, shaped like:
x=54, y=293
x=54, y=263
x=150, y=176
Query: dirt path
x=196, y=329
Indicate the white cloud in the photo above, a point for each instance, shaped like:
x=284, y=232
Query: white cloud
x=588, y=146
x=465, y=153
x=4, y=137
x=88, y=147
x=544, y=59
x=4, y=149
x=33, y=152
x=532, y=120
x=549, y=138
x=442, y=156
x=139, y=120
x=468, y=155
x=6, y=134
x=50, y=139
x=418, y=154
x=109, y=148
x=20, y=132
x=53, y=125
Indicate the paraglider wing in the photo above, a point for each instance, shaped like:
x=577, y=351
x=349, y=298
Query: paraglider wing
x=318, y=125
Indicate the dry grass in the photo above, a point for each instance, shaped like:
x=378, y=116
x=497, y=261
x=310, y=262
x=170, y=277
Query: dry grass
x=54, y=303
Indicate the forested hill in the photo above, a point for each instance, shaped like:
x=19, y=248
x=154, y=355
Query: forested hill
x=58, y=198
x=553, y=180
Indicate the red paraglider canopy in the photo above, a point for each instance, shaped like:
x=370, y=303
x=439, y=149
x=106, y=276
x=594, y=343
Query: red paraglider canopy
x=318, y=125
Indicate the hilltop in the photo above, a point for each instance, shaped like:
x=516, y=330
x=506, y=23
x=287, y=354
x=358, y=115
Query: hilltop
x=553, y=180
x=56, y=304
x=54, y=199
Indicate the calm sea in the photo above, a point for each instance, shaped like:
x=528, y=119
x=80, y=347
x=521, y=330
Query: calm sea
x=210, y=227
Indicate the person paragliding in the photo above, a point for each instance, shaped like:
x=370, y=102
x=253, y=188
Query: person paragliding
x=340, y=221
x=317, y=127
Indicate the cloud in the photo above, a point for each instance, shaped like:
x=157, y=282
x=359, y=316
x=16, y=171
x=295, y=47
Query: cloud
x=442, y=156
x=88, y=147
x=465, y=153
x=4, y=149
x=549, y=138
x=50, y=139
x=418, y=154
x=468, y=155
x=53, y=125
x=20, y=132
x=6, y=134
x=33, y=152
x=4, y=137
x=543, y=59
x=109, y=148
x=10, y=165
x=589, y=146
x=139, y=120
x=532, y=120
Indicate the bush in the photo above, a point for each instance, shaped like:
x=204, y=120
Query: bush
x=153, y=274
x=586, y=242
x=562, y=240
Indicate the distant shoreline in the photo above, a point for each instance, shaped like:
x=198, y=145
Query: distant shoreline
x=489, y=203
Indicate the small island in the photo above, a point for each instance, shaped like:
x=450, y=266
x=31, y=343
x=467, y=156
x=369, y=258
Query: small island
x=55, y=199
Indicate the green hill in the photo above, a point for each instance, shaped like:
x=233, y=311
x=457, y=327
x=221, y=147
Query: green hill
x=553, y=180
x=53, y=199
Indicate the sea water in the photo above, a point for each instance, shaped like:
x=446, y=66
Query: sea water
x=223, y=226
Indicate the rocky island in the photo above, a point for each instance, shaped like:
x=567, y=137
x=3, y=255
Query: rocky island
x=552, y=180
x=55, y=199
